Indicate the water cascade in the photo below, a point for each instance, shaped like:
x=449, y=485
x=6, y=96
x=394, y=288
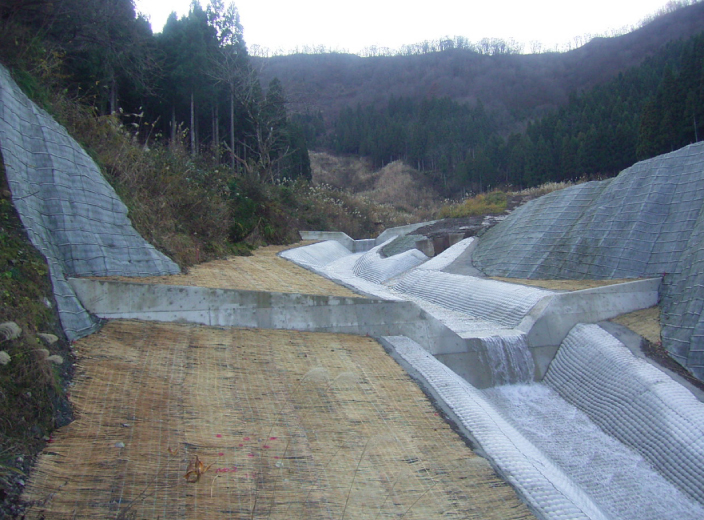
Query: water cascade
x=618, y=479
x=509, y=359
x=596, y=439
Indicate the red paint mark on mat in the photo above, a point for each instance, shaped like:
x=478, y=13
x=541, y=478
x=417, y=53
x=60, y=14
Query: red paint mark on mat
x=233, y=469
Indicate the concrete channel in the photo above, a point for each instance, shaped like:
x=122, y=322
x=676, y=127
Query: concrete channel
x=445, y=329
x=545, y=326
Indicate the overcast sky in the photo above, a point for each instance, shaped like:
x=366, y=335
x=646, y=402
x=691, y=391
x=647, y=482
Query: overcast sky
x=357, y=24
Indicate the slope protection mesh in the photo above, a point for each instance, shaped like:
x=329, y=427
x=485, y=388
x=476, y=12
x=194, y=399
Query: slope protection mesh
x=635, y=402
x=371, y=266
x=71, y=214
x=646, y=222
x=500, y=302
x=547, y=489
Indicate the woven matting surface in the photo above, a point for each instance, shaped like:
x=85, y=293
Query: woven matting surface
x=295, y=425
x=645, y=323
x=263, y=271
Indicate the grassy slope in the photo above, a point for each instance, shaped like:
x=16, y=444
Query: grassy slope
x=33, y=390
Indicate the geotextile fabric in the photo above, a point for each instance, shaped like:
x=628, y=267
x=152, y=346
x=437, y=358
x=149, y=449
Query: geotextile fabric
x=70, y=212
x=287, y=425
x=646, y=222
x=634, y=402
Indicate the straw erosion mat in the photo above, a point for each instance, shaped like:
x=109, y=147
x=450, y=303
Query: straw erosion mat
x=180, y=421
x=263, y=271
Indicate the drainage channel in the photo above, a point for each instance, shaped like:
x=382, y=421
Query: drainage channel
x=568, y=461
x=570, y=448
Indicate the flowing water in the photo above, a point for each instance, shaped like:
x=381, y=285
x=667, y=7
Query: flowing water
x=509, y=359
x=618, y=479
x=563, y=463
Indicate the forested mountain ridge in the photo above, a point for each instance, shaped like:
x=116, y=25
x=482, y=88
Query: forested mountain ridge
x=516, y=85
x=192, y=83
x=205, y=156
x=517, y=120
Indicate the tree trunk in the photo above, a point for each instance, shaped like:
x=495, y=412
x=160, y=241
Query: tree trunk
x=193, y=125
x=113, y=95
x=216, y=129
x=232, y=125
x=173, y=125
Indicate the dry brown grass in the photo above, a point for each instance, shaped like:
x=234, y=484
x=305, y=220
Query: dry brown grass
x=177, y=203
x=396, y=185
x=544, y=189
x=341, y=172
x=562, y=285
x=493, y=203
x=263, y=271
x=645, y=323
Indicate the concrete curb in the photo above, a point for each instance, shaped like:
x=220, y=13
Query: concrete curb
x=551, y=319
x=546, y=325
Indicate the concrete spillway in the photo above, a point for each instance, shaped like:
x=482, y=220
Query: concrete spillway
x=579, y=427
x=594, y=438
x=505, y=362
x=473, y=310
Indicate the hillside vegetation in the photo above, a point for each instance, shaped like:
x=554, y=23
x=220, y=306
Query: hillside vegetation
x=183, y=190
x=210, y=162
x=471, y=121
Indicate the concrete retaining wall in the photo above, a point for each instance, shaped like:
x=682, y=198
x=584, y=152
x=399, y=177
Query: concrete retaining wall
x=354, y=246
x=466, y=356
x=233, y=308
x=552, y=318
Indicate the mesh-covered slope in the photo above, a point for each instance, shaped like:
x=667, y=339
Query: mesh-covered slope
x=634, y=402
x=646, y=222
x=71, y=214
x=499, y=302
x=372, y=267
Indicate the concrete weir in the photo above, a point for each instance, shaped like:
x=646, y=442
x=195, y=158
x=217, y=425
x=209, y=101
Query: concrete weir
x=599, y=433
x=543, y=325
x=558, y=407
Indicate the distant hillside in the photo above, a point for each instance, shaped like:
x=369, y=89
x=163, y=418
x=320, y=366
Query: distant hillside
x=517, y=87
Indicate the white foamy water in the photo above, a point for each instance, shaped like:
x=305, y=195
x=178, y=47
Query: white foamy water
x=510, y=359
x=618, y=479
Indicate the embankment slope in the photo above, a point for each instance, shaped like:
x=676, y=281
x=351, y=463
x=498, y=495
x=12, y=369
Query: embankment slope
x=646, y=222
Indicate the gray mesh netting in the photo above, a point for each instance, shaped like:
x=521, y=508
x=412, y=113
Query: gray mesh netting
x=634, y=402
x=646, y=222
x=71, y=214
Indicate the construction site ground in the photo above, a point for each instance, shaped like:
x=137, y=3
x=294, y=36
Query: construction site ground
x=185, y=421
